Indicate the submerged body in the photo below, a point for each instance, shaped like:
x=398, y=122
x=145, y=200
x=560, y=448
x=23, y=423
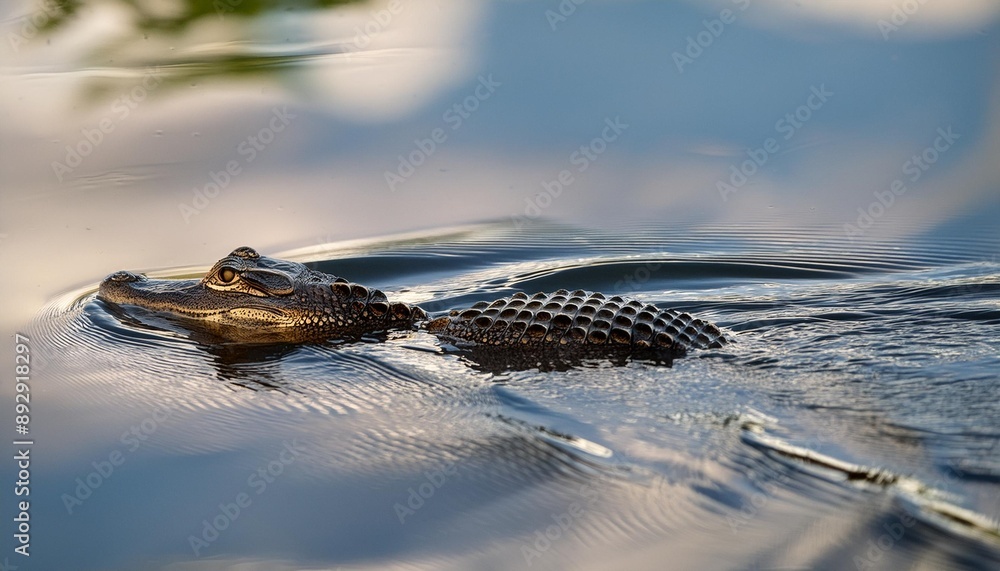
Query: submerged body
x=247, y=297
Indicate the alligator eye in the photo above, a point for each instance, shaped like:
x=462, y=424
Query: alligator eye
x=227, y=275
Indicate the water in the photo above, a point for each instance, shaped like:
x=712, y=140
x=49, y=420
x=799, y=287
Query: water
x=465, y=151
x=856, y=401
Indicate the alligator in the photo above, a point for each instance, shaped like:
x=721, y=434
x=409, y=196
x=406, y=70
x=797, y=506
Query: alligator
x=250, y=298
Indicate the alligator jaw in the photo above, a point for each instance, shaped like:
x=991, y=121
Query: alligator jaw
x=181, y=298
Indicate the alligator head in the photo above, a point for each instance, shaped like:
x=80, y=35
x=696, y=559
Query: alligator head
x=249, y=297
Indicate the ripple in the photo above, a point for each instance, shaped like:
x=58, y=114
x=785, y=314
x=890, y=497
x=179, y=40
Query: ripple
x=889, y=349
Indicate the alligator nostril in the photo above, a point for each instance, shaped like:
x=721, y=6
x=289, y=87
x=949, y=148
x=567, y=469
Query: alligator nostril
x=124, y=276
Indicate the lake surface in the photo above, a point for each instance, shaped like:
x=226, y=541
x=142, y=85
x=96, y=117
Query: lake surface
x=819, y=180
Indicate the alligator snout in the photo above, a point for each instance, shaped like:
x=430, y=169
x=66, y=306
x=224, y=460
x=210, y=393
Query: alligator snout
x=115, y=288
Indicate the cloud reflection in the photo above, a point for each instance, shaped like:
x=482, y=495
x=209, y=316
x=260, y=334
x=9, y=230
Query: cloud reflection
x=921, y=18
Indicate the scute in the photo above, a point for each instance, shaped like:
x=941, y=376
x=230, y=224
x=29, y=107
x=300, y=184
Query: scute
x=401, y=311
x=359, y=291
x=536, y=330
x=578, y=323
x=664, y=340
x=621, y=336
x=597, y=337
x=562, y=320
x=341, y=289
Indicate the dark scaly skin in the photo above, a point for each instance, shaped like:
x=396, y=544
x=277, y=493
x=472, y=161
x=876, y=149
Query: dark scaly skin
x=577, y=320
x=251, y=298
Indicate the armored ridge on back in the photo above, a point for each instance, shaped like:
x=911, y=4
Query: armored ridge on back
x=251, y=298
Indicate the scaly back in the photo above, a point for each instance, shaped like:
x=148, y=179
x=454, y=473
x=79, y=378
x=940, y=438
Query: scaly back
x=576, y=320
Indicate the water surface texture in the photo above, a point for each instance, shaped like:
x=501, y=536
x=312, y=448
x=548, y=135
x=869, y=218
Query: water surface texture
x=819, y=179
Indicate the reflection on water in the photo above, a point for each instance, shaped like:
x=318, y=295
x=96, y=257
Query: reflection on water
x=175, y=16
x=819, y=178
x=140, y=28
x=304, y=47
